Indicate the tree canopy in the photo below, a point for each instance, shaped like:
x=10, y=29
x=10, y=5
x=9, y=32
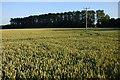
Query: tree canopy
x=71, y=19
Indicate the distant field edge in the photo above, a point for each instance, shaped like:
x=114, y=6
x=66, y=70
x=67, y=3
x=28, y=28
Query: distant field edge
x=63, y=28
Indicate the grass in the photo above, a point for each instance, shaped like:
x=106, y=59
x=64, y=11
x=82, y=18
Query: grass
x=60, y=54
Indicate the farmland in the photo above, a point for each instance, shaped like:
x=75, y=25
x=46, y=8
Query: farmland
x=60, y=54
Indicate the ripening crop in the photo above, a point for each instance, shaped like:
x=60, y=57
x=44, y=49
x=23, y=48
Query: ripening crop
x=60, y=54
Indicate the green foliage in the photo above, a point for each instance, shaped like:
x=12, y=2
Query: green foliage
x=60, y=54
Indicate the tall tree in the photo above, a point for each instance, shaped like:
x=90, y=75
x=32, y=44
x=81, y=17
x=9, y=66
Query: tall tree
x=99, y=15
x=75, y=19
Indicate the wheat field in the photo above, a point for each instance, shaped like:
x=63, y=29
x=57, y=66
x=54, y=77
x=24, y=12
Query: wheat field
x=60, y=54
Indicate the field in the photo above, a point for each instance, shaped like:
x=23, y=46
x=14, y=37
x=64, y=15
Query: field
x=54, y=54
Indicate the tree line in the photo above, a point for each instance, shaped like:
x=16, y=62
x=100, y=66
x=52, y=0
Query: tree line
x=74, y=19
